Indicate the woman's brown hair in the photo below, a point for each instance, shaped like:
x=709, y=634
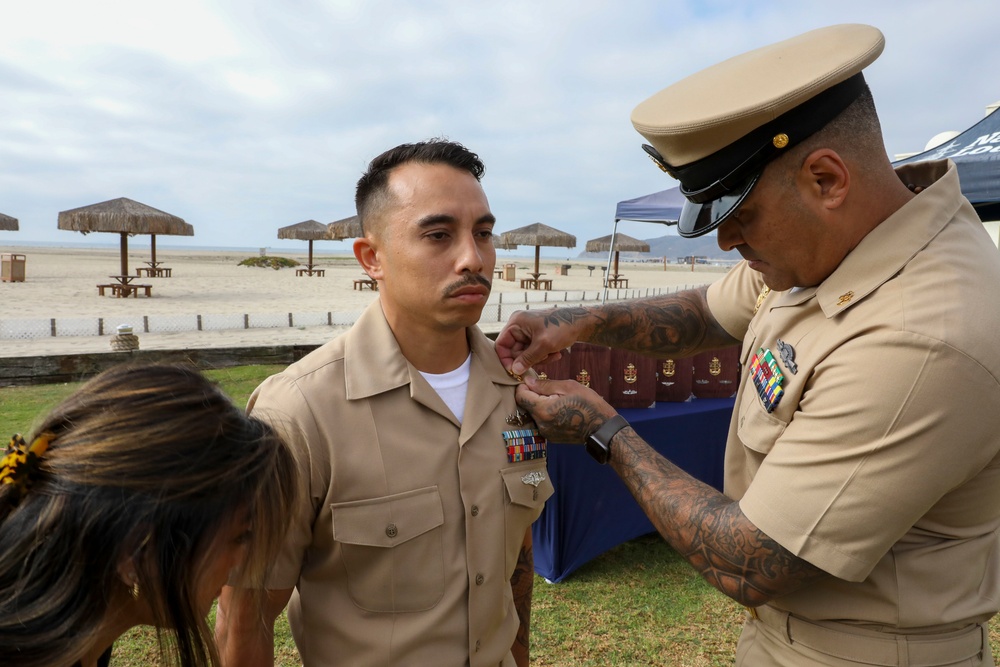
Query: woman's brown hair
x=147, y=464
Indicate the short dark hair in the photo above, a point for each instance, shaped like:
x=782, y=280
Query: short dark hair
x=372, y=186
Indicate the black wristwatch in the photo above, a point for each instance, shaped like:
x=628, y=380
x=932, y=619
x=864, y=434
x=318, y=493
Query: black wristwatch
x=599, y=442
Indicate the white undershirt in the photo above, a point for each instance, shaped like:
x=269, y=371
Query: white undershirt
x=452, y=387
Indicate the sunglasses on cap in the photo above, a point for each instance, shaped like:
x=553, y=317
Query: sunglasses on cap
x=708, y=207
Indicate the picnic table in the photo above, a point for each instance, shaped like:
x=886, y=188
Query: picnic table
x=310, y=270
x=361, y=283
x=618, y=281
x=536, y=282
x=153, y=270
x=124, y=287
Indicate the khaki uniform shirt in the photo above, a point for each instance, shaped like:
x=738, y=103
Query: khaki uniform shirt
x=880, y=463
x=414, y=524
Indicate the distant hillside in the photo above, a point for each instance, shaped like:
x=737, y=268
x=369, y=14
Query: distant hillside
x=673, y=247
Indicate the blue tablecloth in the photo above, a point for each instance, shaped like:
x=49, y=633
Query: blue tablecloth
x=592, y=510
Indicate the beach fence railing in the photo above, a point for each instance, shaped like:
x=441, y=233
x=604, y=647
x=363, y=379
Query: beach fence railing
x=499, y=308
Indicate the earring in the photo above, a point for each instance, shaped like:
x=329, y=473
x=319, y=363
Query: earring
x=135, y=590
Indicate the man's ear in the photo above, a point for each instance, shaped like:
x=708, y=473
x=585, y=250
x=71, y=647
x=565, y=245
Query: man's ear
x=825, y=178
x=367, y=253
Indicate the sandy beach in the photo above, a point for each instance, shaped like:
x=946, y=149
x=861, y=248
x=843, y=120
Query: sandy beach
x=61, y=283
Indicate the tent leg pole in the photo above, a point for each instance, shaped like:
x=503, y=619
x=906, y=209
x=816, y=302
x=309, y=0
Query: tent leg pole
x=607, y=271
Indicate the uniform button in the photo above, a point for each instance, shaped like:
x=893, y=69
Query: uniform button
x=480, y=579
x=475, y=510
x=390, y=530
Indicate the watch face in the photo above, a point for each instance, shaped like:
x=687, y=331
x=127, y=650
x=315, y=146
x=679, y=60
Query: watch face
x=598, y=451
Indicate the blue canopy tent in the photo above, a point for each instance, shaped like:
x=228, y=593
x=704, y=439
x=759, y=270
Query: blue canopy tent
x=662, y=207
x=976, y=153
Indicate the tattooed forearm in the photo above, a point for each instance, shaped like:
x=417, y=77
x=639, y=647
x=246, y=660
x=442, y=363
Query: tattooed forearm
x=707, y=528
x=522, y=583
x=677, y=324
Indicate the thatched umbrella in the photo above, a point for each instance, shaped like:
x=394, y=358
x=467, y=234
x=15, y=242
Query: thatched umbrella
x=537, y=235
x=126, y=217
x=348, y=228
x=7, y=223
x=310, y=230
x=622, y=243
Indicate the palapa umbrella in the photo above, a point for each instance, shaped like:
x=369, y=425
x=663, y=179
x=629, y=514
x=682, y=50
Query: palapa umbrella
x=622, y=242
x=310, y=230
x=537, y=235
x=126, y=217
x=348, y=228
x=7, y=223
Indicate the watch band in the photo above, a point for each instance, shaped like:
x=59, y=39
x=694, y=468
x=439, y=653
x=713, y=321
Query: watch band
x=599, y=442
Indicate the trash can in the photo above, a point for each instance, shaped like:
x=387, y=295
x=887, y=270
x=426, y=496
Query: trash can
x=563, y=269
x=510, y=272
x=12, y=268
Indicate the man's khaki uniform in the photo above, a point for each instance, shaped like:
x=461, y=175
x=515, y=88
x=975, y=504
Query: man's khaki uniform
x=880, y=463
x=414, y=523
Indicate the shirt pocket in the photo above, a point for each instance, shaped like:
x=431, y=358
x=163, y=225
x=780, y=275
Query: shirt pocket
x=393, y=550
x=757, y=428
x=528, y=487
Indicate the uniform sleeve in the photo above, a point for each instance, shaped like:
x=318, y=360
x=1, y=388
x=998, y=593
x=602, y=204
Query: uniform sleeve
x=278, y=401
x=732, y=299
x=871, y=449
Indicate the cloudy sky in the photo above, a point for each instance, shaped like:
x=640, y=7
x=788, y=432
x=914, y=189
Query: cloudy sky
x=243, y=116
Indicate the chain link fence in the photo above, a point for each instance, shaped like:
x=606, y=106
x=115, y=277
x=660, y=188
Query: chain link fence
x=498, y=309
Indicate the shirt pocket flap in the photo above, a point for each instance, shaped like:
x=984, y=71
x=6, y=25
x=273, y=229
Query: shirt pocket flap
x=758, y=430
x=528, y=486
x=388, y=521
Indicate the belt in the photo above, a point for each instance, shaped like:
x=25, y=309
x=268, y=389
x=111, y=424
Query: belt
x=869, y=648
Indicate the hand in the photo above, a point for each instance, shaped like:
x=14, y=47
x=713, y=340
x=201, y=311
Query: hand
x=535, y=337
x=564, y=410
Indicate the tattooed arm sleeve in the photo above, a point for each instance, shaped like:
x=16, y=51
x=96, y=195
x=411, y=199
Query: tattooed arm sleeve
x=707, y=528
x=678, y=324
x=522, y=583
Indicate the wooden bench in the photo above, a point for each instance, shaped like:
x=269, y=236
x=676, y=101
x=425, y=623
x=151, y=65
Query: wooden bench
x=120, y=290
x=310, y=272
x=154, y=272
x=618, y=283
x=536, y=283
x=362, y=283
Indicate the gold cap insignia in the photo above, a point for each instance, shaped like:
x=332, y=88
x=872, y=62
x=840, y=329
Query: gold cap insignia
x=780, y=140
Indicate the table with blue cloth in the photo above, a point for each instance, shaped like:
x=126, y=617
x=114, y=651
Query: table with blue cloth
x=592, y=509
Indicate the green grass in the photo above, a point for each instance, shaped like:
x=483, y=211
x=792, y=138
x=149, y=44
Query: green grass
x=21, y=408
x=638, y=604
x=265, y=262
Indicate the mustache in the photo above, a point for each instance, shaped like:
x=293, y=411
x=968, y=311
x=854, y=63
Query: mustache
x=470, y=280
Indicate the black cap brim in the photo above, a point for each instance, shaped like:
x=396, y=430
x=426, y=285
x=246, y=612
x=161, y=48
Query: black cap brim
x=699, y=219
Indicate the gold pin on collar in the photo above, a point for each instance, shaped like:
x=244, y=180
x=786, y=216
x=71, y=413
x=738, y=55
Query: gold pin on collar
x=760, y=298
x=845, y=298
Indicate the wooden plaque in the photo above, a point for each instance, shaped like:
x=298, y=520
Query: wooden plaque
x=555, y=370
x=717, y=373
x=590, y=365
x=633, y=380
x=674, y=379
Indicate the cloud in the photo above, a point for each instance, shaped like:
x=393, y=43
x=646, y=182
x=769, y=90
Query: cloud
x=246, y=117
